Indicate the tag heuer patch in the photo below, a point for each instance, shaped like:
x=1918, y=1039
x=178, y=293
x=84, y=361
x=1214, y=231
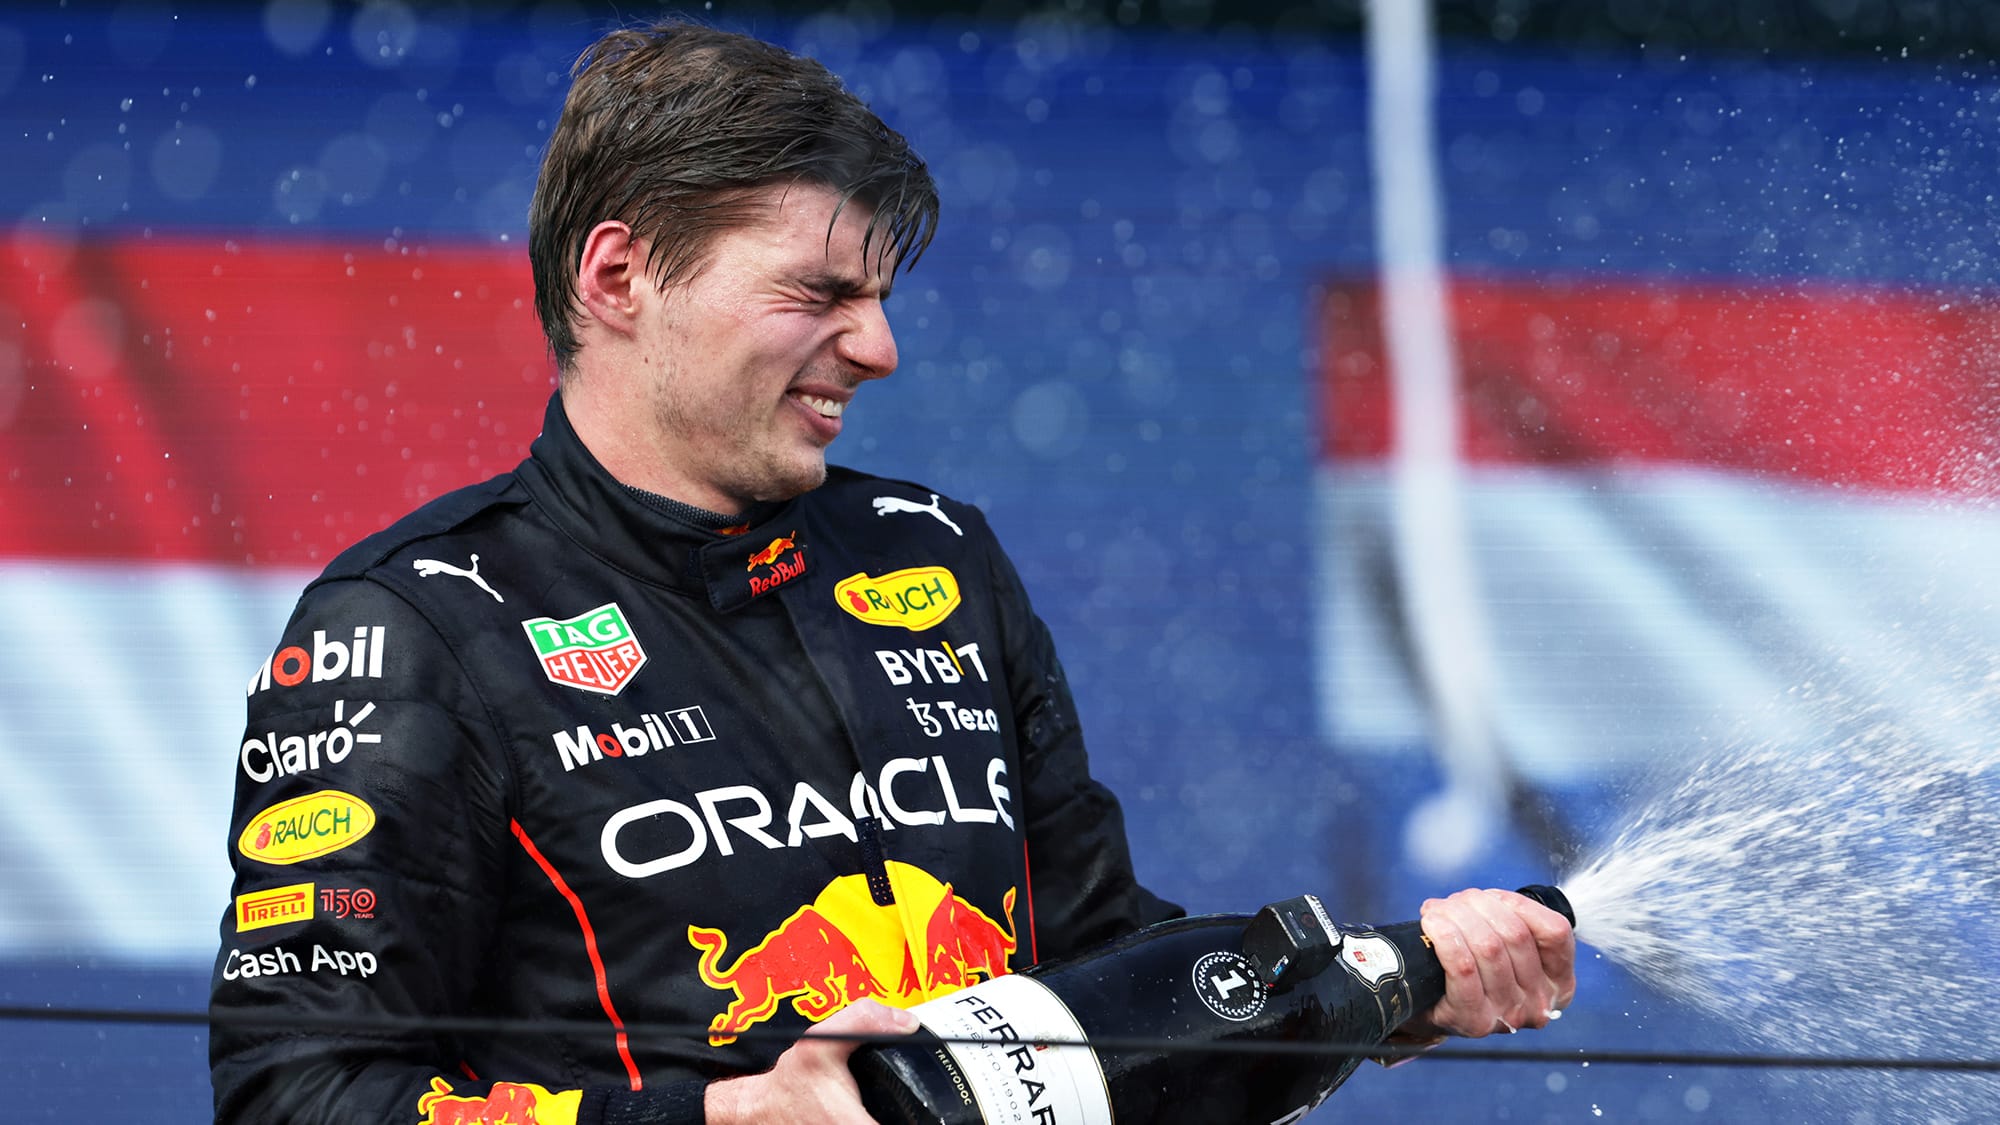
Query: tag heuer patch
x=594, y=651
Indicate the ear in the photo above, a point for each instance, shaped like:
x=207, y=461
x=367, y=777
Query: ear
x=611, y=276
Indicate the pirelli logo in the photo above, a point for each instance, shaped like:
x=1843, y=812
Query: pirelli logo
x=274, y=907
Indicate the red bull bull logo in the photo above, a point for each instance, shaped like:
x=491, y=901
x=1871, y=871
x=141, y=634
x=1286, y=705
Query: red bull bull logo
x=770, y=554
x=783, y=569
x=844, y=947
x=507, y=1103
x=806, y=959
x=965, y=945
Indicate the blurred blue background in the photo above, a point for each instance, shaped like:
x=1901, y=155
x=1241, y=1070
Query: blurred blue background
x=1122, y=345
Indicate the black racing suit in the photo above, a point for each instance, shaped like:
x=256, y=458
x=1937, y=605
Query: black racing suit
x=541, y=752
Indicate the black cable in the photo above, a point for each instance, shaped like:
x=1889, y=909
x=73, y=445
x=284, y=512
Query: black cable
x=596, y=1028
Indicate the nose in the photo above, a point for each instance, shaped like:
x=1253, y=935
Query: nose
x=866, y=342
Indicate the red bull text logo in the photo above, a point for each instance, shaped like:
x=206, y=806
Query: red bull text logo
x=506, y=1103
x=306, y=827
x=274, y=906
x=594, y=651
x=783, y=569
x=913, y=599
x=843, y=947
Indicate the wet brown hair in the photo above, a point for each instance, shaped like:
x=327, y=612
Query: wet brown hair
x=672, y=128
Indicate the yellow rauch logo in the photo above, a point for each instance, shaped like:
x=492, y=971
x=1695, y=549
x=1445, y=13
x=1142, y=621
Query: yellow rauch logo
x=306, y=827
x=915, y=599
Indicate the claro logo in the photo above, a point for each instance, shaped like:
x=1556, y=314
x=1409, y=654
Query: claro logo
x=306, y=827
x=914, y=599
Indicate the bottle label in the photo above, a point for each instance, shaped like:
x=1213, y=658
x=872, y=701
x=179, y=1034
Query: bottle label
x=1370, y=956
x=1015, y=1081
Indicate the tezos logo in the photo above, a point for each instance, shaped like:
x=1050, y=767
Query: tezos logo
x=594, y=651
x=914, y=599
x=1227, y=983
x=360, y=658
x=306, y=827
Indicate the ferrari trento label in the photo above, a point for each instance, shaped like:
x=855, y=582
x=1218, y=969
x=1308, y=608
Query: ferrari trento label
x=913, y=599
x=593, y=651
x=1015, y=1081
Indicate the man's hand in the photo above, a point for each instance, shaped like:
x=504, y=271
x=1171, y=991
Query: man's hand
x=1509, y=963
x=811, y=1082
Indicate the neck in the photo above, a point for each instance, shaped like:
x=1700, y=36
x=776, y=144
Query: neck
x=615, y=426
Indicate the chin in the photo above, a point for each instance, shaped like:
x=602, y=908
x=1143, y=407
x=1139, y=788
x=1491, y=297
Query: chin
x=795, y=481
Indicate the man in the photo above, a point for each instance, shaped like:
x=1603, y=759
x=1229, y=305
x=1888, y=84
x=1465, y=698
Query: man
x=673, y=723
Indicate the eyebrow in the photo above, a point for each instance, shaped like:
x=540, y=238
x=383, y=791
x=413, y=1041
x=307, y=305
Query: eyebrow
x=841, y=286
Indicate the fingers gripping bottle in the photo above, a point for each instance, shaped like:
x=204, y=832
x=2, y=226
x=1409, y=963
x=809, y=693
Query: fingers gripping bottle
x=1139, y=1005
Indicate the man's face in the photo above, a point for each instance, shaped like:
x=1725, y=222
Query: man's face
x=750, y=363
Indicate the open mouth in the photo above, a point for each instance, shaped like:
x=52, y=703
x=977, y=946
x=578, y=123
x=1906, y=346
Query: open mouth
x=824, y=407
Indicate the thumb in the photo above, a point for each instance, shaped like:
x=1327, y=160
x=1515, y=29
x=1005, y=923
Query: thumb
x=863, y=1017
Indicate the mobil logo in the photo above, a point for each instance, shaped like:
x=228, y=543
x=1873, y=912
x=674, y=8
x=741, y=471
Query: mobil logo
x=655, y=730
x=504, y=1103
x=845, y=946
x=913, y=599
x=306, y=827
x=593, y=651
x=360, y=658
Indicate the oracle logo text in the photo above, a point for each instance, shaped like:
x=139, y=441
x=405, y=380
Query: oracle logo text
x=654, y=837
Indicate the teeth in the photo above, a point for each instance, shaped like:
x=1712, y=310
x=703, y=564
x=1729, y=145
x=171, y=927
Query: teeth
x=824, y=406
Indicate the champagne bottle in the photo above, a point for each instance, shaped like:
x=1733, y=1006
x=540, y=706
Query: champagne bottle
x=1289, y=974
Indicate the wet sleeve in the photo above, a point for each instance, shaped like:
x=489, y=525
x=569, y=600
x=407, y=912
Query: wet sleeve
x=368, y=837
x=1080, y=865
